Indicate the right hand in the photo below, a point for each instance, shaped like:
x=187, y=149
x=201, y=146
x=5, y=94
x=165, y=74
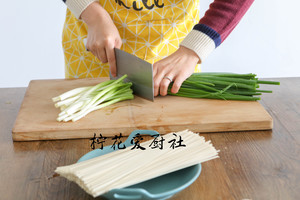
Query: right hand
x=103, y=35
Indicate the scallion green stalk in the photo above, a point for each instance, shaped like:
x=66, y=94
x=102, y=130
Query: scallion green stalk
x=226, y=86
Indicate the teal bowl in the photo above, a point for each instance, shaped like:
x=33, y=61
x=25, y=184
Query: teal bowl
x=162, y=187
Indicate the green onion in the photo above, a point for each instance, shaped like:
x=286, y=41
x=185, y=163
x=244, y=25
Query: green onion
x=220, y=85
x=77, y=103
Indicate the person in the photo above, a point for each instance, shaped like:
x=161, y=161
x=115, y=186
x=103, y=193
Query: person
x=167, y=33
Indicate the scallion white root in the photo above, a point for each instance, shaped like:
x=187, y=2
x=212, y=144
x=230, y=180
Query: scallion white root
x=78, y=102
x=69, y=94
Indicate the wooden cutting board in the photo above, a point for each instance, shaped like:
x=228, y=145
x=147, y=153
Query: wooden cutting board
x=37, y=116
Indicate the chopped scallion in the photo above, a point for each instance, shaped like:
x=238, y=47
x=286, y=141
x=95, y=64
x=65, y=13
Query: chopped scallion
x=78, y=102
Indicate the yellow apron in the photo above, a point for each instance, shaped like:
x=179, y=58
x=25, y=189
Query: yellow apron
x=150, y=29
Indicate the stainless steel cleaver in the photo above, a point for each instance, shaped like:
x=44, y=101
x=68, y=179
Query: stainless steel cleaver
x=138, y=71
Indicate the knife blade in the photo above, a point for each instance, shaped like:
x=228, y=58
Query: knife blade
x=138, y=71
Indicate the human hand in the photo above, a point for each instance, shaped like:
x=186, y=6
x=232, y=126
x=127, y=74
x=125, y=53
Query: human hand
x=103, y=35
x=178, y=67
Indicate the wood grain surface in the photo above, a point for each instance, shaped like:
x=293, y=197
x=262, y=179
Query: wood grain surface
x=37, y=116
x=252, y=164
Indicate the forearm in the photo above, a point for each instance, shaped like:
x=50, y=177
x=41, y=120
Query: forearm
x=218, y=22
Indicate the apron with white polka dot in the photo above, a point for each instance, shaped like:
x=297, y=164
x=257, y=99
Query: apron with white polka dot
x=150, y=29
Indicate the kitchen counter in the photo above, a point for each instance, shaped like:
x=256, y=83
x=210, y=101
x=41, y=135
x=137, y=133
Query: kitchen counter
x=252, y=164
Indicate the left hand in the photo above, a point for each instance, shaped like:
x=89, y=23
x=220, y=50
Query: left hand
x=178, y=67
